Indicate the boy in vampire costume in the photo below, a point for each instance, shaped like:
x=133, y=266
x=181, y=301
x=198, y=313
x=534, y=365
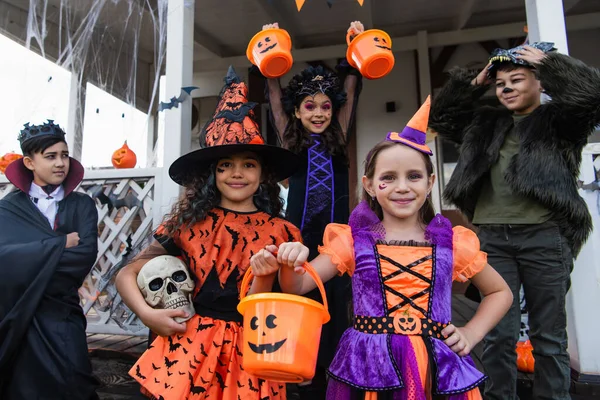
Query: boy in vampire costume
x=516, y=180
x=48, y=244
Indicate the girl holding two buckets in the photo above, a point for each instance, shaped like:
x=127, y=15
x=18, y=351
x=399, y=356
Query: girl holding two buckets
x=230, y=211
x=402, y=258
x=312, y=116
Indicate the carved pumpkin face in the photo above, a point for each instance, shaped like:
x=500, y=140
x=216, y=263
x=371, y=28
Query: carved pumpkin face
x=382, y=43
x=124, y=157
x=268, y=43
x=6, y=159
x=406, y=323
x=268, y=329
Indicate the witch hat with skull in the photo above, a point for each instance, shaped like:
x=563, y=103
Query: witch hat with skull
x=166, y=283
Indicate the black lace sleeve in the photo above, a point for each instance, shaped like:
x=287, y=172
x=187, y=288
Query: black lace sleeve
x=352, y=88
x=279, y=118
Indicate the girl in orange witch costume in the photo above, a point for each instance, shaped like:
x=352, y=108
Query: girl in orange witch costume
x=229, y=212
x=402, y=259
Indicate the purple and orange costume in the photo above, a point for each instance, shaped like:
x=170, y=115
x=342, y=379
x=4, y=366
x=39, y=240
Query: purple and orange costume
x=402, y=301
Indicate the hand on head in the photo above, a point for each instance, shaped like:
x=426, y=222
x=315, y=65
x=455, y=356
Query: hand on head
x=483, y=78
x=532, y=55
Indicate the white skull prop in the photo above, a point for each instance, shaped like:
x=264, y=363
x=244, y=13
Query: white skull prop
x=166, y=283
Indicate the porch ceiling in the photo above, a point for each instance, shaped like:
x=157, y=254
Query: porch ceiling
x=223, y=27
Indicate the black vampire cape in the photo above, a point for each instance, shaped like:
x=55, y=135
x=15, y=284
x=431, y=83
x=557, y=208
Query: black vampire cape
x=43, y=347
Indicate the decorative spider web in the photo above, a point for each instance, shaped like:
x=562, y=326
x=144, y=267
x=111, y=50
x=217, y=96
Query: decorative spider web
x=117, y=45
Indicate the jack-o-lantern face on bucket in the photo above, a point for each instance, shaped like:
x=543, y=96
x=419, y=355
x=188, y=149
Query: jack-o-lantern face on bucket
x=267, y=44
x=382, y=43
x=270, y=346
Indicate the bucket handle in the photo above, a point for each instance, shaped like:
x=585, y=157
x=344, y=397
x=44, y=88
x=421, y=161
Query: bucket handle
x=309, y=270
x=350, y=36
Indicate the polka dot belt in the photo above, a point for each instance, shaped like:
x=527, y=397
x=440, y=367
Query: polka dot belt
x=402, y=324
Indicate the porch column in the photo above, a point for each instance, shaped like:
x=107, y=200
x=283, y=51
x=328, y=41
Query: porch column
x=546, y=22
x=76, y=113
x=424, y=91
x=178, y=120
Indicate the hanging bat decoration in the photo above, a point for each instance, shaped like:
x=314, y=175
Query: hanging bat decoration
x=300, y=3
x=112, y=200
x=175, y=101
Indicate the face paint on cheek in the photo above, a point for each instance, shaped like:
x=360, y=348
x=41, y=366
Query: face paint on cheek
x=382, y=186
x=220, y=170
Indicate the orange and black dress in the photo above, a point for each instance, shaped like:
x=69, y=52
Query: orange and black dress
x=206, y=361
x=402, y=301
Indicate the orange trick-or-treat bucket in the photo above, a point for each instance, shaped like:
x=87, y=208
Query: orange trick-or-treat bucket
x=270, y=51
x=371, y=53
x=282, y=332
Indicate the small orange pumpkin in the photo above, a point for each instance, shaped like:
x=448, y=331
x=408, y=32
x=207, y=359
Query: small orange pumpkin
x=124, y=157
x=525, y=360
x=6, y=159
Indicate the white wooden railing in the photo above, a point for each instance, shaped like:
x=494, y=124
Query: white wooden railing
x=126, y=215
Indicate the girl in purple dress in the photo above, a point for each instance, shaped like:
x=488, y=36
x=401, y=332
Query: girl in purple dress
x=402, y=259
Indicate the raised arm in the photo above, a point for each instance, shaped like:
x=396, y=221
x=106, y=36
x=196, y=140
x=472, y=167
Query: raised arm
x=575, y=91
x=279, y=118
x=454, y=107
x=345, y=115
x=352, y=85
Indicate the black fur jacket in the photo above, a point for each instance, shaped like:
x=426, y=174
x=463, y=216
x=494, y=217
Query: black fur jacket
x=546, y=168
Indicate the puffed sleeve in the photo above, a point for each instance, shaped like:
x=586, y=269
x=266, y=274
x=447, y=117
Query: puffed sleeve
x=339, y=245
x=468, y=258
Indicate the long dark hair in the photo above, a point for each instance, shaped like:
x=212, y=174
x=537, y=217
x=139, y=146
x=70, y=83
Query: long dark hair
x=297, y=138
x=201, y=195
x=426, y=213
x=309, y=82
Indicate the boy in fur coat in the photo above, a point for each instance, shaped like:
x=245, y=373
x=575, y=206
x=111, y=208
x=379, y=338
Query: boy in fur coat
x=516, y=180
